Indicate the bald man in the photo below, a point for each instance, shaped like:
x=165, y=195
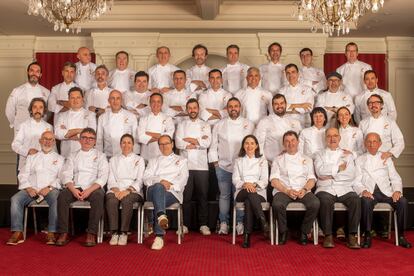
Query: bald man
x=85, y=69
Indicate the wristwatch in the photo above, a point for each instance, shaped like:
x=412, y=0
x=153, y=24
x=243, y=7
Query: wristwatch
x=96, y=110
x=50, y=188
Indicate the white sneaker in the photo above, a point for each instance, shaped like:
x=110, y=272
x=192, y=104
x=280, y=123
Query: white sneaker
x=224, y=229
x=204, y=230
x=185, y=230
x=158, y=243
x=123, y=239
x=240, y=228
x=163, y=221
x=114, y=239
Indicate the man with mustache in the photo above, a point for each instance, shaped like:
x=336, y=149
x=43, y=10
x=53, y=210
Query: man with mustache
x=97, y=98
x=197, y=76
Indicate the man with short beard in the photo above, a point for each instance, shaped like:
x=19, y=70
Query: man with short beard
x=192, y=138
x=26, y=141
x=19, y=99
x=197, y=76
x=96, y=99
x=270, y=130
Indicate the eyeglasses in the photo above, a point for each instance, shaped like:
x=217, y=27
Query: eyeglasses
x=86, y=138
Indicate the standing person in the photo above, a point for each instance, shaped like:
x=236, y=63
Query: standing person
x=312, y=139
x=19, y=100
x=121, y=78
x=125, y=182
x=309, y=75
x=96, y=99
x=161, y=74
x=226, y=140
x=85, y=69
x=250, y=178
x=58, y=99
x=234, y=73
x=137, y=100
x=198, y=74
x=273, y=73
x=352, y=137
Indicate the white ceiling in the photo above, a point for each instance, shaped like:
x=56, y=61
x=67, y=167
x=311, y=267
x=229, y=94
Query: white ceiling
x=395, y=19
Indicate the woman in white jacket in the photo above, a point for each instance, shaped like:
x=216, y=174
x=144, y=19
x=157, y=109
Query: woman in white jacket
x=250, y=178
x=352, y=138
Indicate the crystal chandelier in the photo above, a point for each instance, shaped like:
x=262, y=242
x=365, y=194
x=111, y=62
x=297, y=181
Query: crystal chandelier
x=335, y=15
x=68, y=14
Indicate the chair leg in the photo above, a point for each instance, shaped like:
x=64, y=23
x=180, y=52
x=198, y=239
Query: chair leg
x=138, y=223
x=233, y=241
x=272, y=237
x=179, y=224
x=25, y=223
x=34, y=220
x=101, y=230
x=389, y=224
x=315, y=232
x=396, y=228
x=277, y=232
x=71, y=219
x=141, y=238
x=359, y=234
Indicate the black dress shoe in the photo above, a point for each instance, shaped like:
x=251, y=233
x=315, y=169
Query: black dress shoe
x=367, y=240
x=303, y=238
x=402, y=241
x=283, y=238
x=265, y=227
x=246, y=240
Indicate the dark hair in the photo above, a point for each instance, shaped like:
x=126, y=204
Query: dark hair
x=351, y=44
x=319, y=110
x=290, y=133
x=233, y=99
x=34, y=63
x=369, y=72
x=88, y=130
x=141, y=74
x=278, y=96
x=122, y=52
x=179, y=71
x=274, y=44
x=233, y=46
x=156, y=94
x=376, y=95
x=69, y=64
x=306, y=50
x=192, y=100
x=127, y=135
x=199, y=46
x=165, y=135
x=351, y=121
x=292, y=65
x=215, y=71
x=37, y=100
x=102, y=66
x=161, y=47
x=242, y=152
x=73, y=89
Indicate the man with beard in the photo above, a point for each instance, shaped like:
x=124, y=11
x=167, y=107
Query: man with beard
x=226, y=141
x=26, y=141
x=161, y=74
x=97, y=97
x=58, y=99
x=197, y=76
x=192, y=138
x=270, y=130
x=19, y=99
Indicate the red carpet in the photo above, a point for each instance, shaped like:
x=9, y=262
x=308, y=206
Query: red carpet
x=197, y=255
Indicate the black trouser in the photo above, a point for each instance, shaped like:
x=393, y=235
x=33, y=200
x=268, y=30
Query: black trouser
x=281, y=201
x=96, y=199
x=368, y=204
x=197, y=187
x=252, y=208
x=353, y=203
x=112, y=207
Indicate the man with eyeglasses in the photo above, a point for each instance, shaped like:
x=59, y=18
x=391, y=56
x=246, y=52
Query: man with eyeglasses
x=391, y=135
x=70, y=123
x=165, y=177
x=39, y=180
x=84, y=175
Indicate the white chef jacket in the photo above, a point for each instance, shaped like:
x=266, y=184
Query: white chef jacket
x=19, y=100
x=85, y=75
x=293, y=170
x=327, y=163
x=161, y=76
x=371, y=170
x=126, y=171
x=310, y=74
x=160, y=123
x=59, y=93
x=273, y=76
x=226, y=140
x=97, y=97
x=269, y=132
x=121, y=80
x=111, y=127
x=28, y=138
x=213, y=100
x=361, y=107
x=352, y=139
x=199, y=73
x=311, y=140
x=234, y=77
x=256, y=103
x=69, y=120
x=85, y=168
x=41, y=170
x=296, y=95
x=172, y=168
x=334, y=99
x=176, y=98
x=134, y=98
x=252, y=170
x=353, y=76
x=391, y=135
x=200, y=130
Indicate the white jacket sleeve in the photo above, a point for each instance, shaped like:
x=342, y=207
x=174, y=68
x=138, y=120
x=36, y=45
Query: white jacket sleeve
x=11, y=107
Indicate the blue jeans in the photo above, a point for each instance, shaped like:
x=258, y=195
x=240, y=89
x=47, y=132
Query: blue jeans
x=161, y=199
x=21, y=199
x=227, y=189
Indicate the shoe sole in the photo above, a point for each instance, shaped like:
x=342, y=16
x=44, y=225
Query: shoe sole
x=15, y=243
x=163, y=223
x=61, y=243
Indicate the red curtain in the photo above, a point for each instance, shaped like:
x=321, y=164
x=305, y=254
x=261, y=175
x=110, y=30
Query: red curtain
x=377, y=61
x=52, y=66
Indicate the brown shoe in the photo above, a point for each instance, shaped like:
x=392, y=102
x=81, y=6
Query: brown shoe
x=328, y=242
x=50, y=238
x=353, y=242
x=90, y=240
x=16, y=238
x=62, y=240
x=163, y=221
